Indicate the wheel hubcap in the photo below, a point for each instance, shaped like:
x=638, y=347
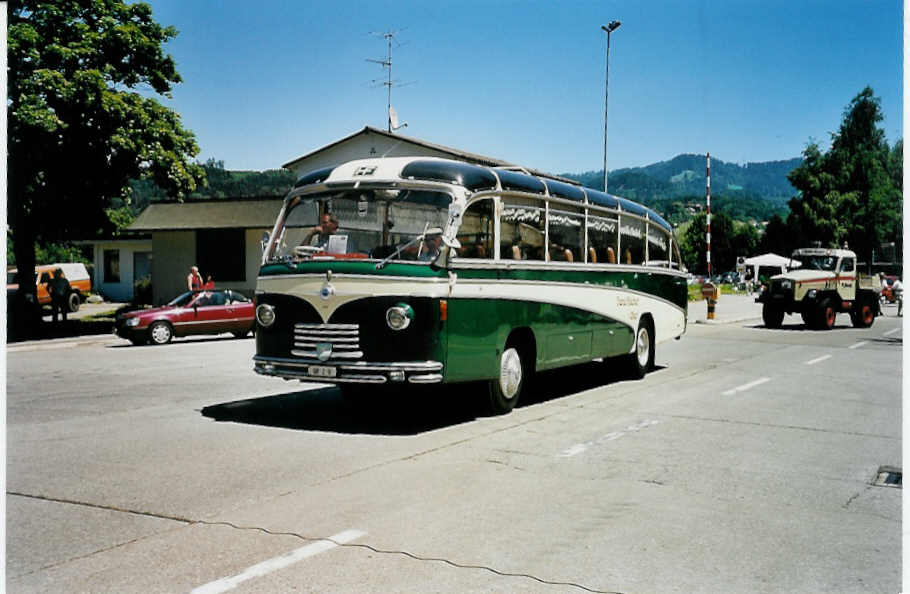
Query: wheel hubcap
x=643, y=347
x=510, y=373
x=160, y=333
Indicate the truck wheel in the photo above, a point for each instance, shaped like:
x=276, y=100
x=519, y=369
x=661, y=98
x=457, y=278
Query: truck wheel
x=73, y=301
x=862, y=315
x=772, y=316
x=827, y=314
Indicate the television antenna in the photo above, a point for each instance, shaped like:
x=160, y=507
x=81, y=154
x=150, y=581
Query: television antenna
x=389, y=36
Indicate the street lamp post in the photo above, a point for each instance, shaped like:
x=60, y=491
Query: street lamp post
x=614, y=25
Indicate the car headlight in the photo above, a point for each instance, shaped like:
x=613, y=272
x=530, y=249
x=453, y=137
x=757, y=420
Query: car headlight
x=265, y=315
x=399, y=316
x=131, y=322
x=811, y=294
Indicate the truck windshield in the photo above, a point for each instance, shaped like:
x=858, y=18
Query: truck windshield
x=817, y=262
x=358, y=224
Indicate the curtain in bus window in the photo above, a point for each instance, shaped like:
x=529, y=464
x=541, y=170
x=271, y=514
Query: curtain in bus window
x=521, y=229
x=632, y=242
x=567, y=236
x=658, y=244
x=476, y=231
x=601, y=240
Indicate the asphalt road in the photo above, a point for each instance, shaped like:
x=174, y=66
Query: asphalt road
x=744, y=463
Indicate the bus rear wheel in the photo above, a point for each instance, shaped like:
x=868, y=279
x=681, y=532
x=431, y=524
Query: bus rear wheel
x=506, y=388
x=641, y=360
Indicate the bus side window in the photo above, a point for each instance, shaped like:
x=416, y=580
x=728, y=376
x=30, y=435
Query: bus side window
x=658, y=242
x=633, y=240
x=521, y=229
x=601, y=239
x=566, y=233
x=476, y=232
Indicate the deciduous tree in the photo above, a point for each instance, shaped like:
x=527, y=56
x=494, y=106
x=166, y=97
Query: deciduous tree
x=79, y=127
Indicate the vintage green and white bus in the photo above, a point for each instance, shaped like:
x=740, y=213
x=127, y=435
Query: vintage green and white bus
x=424, y=270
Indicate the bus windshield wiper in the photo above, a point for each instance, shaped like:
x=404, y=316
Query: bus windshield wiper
x=421, y=237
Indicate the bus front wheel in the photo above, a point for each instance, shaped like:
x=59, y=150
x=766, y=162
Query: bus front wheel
x=506, y=388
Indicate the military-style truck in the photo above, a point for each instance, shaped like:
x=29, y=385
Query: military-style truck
x=820, y=284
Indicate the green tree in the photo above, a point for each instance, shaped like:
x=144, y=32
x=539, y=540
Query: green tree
x=693, y=244
x=78, y=128
x=851, y=194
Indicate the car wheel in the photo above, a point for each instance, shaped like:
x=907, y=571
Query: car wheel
x=772, y=316
x=160, y=333
x=505, y=389
x=641, y=360
x=73, y=302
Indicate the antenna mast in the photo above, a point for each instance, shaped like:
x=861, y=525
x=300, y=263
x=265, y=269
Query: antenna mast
x=392, y=117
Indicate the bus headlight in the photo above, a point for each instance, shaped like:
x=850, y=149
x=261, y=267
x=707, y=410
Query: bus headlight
x=265, y=315
x=399, y=316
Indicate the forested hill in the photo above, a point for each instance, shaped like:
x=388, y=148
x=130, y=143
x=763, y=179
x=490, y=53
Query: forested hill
x=684, y=175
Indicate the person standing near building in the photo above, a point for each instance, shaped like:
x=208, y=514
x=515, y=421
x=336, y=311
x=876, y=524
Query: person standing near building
x=194, y=279
x=898, y=289
x=59, y=290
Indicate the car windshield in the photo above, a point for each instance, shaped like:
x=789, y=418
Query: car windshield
x=182, y=300
x=817, y=262
x=358, y=224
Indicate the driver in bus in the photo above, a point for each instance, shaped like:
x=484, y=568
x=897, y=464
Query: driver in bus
x=319, y=235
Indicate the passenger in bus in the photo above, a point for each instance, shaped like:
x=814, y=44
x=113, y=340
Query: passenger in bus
x=430, y=249
x=319, y=235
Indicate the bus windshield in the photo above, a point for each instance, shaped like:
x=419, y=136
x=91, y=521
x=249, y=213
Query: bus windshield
x=355, y=224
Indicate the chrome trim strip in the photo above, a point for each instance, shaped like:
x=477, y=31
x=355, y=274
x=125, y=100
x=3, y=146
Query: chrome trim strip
x=357, y=366
x=434, y=378
x=310, y=326
x=335, y=355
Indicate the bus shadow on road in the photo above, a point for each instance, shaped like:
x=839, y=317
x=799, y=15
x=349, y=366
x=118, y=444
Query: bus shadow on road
x=411, y=410
x=374, y=412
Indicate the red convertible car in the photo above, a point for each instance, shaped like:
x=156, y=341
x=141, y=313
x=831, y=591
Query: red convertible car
x=194, y=312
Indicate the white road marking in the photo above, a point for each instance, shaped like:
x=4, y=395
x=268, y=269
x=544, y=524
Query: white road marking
x=748, y=386
x=857, y=345
x=818, y=360
x=280, y=562
x=892, y=331
x=582, y=447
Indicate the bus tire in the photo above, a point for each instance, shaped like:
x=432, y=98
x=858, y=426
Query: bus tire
x=506, y=388
x=772, y=316
x=641, y=360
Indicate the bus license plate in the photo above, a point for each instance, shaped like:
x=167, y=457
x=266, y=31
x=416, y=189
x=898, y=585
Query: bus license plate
x=322, y=371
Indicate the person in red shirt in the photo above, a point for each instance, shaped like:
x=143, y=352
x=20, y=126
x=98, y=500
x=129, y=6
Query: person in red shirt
x=194, y=279
x=209, y=282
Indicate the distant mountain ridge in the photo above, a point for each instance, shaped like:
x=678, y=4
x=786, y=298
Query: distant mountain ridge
x=684, y=176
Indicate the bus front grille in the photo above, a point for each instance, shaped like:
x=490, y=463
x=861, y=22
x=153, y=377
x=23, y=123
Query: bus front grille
x=327, y=342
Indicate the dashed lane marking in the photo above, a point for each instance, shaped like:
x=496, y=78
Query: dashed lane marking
x=858, y=344
x=818, y=360
x=748, y=386
x=582, y=447
x=280, y=562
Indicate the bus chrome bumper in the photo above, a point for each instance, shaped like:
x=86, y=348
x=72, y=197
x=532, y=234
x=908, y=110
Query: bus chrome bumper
x=361, y=372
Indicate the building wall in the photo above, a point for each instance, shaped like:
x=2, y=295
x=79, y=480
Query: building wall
x=120, y=291
x=364, y=146
x=175, y=252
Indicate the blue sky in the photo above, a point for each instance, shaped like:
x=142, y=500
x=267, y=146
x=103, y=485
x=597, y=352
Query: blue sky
x=747, y=80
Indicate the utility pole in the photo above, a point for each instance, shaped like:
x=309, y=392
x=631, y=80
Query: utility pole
x=612, y=26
